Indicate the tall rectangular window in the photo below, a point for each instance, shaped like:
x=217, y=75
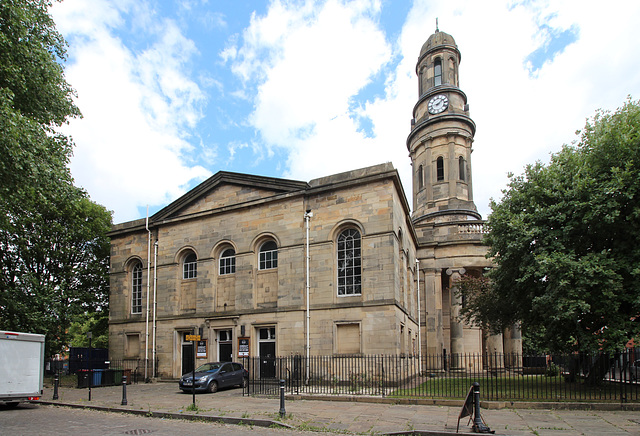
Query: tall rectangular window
x=136, y=289
x=440, y=169
x=437, y=73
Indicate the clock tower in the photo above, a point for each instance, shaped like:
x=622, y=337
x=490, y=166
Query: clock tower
x=441, y=137
x=447, y=224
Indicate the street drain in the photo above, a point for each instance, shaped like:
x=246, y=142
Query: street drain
x=139, y=431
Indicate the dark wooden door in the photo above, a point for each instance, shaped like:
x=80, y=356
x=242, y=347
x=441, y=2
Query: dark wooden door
x=267, y=359
x=187, y=358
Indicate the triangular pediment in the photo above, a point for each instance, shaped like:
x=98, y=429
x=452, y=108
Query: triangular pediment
x=224, y=190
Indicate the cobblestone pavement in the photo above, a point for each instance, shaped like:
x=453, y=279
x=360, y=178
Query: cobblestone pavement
x=359, y=416
x=47, y=420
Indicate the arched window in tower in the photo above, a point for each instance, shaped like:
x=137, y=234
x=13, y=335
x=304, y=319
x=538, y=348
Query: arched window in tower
x=440, y=169
x=420, y=178
x=437, y=72
x=461, y=167
x=453, y=72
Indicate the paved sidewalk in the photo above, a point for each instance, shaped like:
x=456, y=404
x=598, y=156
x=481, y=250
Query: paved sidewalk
x=346, y=416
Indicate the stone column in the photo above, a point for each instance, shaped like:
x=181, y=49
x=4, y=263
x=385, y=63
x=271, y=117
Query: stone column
x=456, y=330
x=495, y=351
x=433, y=318
x=513, y=346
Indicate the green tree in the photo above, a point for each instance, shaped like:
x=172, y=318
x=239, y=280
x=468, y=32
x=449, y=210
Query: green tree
x=97, y=323
x=52, y=236
x=564, y=239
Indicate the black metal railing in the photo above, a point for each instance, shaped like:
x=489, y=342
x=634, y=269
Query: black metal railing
x=503, y=377
x=102, y=372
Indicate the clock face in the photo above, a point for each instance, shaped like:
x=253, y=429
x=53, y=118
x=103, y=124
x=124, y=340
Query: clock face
x=438, y=104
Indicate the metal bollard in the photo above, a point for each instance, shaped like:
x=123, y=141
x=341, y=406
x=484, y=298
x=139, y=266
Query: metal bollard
x=478, y=425
x=56, y=381
x=282, y=411
x=124, y=391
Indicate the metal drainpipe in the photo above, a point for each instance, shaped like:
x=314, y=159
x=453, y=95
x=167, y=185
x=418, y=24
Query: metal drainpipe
x=146, y=341
x=419, y=321
x=155, y=306
x=307, y=215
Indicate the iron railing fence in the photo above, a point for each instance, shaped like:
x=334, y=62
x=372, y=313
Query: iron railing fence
x=133, y=368
x=502, y=377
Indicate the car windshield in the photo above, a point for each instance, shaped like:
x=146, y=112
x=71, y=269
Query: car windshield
x=209, y=367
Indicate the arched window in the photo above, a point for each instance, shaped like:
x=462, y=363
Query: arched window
x=349, y=263
x=440, y=169
x=461, y=167
x=136, y=288
x=190, y=266
x=437, y=72
x=228, y=262
x=420, y=178
x=268, y=255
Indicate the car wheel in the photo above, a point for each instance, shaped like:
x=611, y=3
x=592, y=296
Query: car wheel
x=244, y=383
x=213, y=387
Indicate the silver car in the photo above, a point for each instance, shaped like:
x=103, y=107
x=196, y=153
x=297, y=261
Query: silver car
x=214, y=375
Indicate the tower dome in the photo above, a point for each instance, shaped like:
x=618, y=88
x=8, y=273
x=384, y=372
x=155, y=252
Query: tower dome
x=436, y=41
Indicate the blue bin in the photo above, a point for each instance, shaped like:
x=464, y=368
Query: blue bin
x=97, y=377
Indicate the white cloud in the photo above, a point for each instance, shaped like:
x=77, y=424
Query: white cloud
x=311, y=62
x=304, y=66
x=137, y=107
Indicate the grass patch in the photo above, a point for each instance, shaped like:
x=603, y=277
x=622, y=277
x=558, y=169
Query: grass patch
x=517, y=388
x=193, y=407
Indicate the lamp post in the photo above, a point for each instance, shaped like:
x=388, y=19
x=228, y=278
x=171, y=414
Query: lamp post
x=90, y=335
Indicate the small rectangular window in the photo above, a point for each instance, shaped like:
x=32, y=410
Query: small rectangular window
x=348, y=339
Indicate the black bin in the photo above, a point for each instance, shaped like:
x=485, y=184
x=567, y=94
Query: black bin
x=83, y=378
x=108, y=377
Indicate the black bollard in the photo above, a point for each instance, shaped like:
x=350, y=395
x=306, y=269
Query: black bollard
x=478, y=425
x=56, y=381
x=282, y=411
x=124, y=391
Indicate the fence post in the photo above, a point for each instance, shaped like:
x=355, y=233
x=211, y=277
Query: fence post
x=383, y=374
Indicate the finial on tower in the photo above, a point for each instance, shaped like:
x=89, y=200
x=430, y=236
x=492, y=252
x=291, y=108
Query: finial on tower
x=437, y=30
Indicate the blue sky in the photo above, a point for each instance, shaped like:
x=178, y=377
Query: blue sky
x=173, y=91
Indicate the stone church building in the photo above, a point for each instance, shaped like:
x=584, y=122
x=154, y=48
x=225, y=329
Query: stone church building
x=343, y=264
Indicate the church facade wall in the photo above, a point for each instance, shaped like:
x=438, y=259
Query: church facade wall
x=379, y=318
